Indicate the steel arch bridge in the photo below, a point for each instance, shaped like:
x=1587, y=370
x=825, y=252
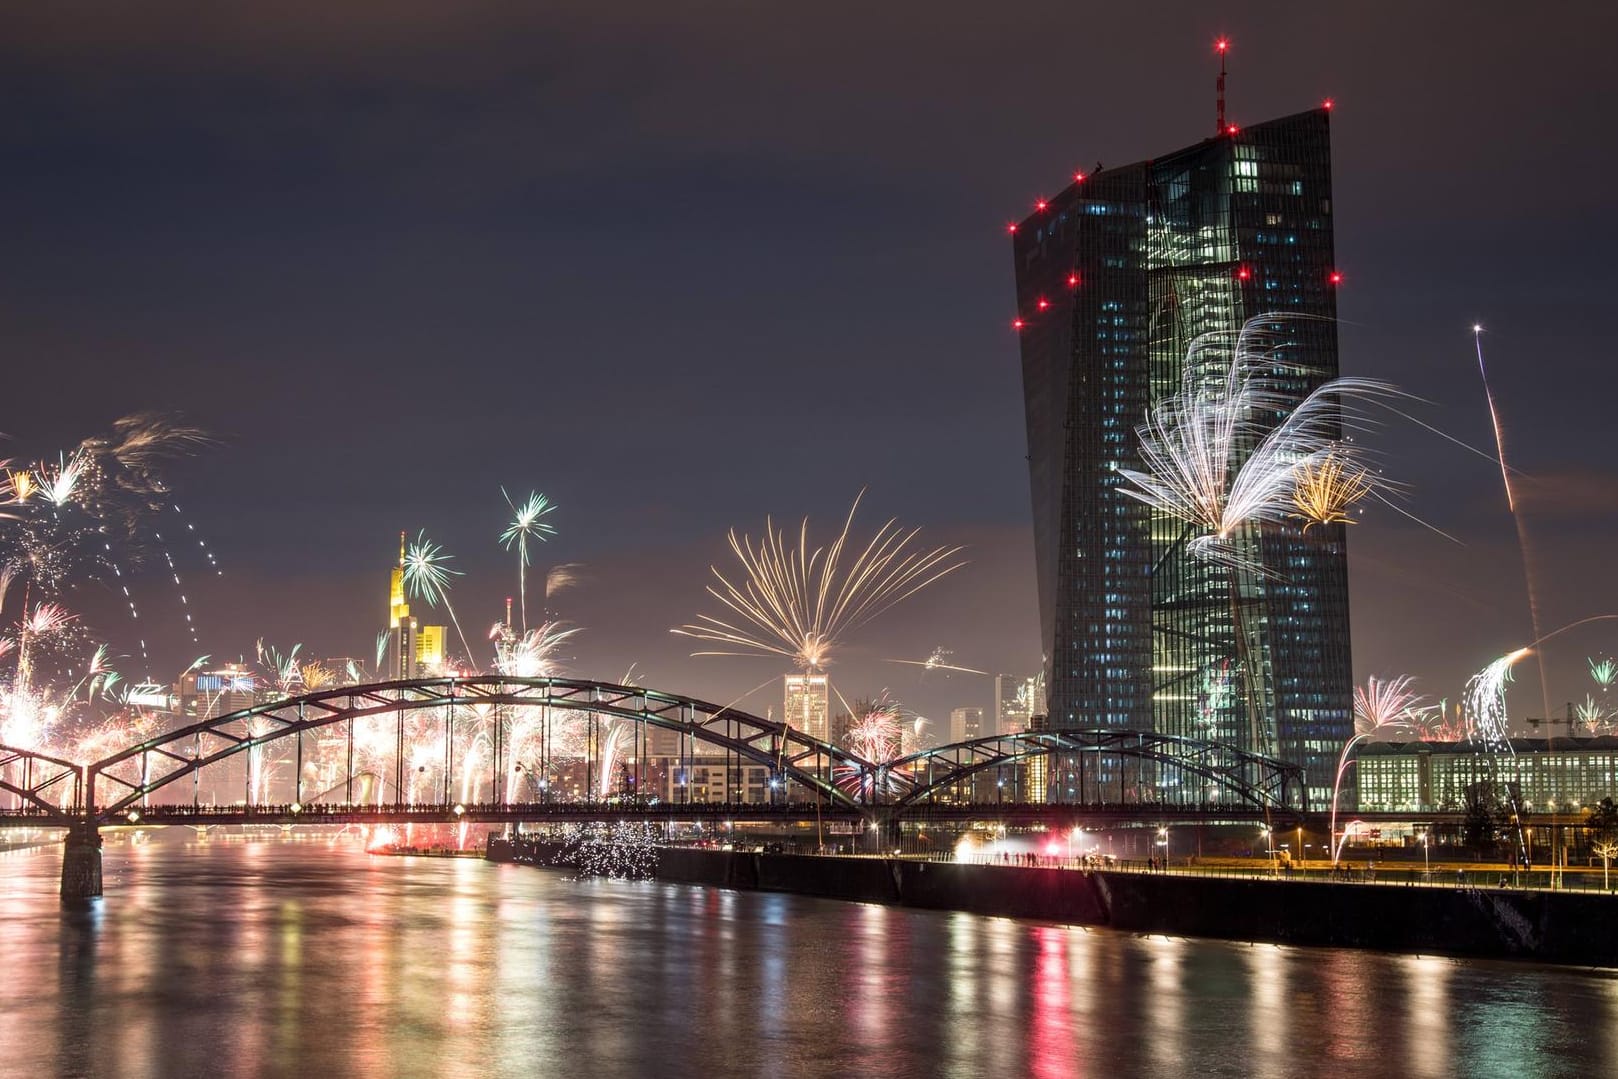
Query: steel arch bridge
x=44, y=782
x=1178, y=772
x=133, y=774
x=1094, y=767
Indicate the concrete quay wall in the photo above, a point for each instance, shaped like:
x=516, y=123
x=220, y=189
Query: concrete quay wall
x=1554, y=927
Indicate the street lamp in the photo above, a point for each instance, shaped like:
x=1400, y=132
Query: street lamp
x=1426, y=857
x=1269, y=840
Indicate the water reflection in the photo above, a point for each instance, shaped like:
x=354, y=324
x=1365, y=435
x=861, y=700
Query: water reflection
x=224, y=957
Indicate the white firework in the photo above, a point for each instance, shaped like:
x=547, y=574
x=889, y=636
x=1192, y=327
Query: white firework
x=1233, y=449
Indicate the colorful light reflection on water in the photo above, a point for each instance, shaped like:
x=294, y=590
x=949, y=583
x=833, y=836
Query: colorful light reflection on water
x=307, y=956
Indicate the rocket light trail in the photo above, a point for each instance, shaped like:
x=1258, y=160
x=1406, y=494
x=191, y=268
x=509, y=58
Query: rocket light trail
x=1483, y=706
x=938, y=661
x=1516, y=517
x=799, y=603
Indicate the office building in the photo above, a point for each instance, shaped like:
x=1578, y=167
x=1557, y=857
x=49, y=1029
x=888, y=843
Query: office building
x=217, y=691
x=414, y=650
x=1565, y=774
x=1016, y=701
x=1116, y=276
x=807, y=704
x=966, y=724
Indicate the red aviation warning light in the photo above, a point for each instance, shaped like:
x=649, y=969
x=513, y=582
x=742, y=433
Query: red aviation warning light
x=1017, y=323
x=1043, y=304
x=1041, y=205
x=1335, y=277
x=1243, y=273
x=1072, y=280
x=1078, y=177
x=1011, y=229
x=1327, y=104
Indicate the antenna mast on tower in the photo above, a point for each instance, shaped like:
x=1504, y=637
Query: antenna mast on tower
x=1221, y=47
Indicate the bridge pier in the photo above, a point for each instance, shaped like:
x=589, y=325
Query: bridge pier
x=81, y=863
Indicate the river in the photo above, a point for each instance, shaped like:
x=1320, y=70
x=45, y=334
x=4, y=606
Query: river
x=310, y=957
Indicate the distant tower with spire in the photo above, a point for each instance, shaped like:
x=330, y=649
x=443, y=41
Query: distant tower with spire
x=414, y=650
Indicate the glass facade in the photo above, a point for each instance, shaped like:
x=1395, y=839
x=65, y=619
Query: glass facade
x=1116, y=276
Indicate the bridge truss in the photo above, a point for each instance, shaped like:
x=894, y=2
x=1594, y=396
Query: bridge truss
x=1098, y=767
x=489, y=745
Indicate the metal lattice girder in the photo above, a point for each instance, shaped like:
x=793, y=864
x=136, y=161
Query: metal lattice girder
x=790, y=753
x=1258, y=780
x=48, y=783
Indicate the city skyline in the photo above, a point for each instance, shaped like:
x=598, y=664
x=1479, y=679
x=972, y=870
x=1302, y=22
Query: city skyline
x=516, y=519
x=355, y=363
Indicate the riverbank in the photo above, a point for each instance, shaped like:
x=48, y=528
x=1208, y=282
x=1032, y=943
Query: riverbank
x=425, y=852
x=1493, y=923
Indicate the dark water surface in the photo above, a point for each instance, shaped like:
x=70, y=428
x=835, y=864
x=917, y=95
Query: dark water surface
x=309, y=957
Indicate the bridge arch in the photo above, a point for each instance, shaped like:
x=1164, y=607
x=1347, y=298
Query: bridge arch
x=789, y=753
x=49, y=784
x=1247, y=778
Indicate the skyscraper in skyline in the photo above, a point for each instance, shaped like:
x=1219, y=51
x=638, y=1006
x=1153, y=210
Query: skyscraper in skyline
x=807, y=704
x=413, y=649
x=1016, y=700
x=1116, y=276
x=966, y=724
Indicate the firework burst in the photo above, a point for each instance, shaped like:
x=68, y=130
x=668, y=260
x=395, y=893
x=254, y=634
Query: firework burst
x=89, y=513
x=1326, y=488
x=799, y=601
x=527, y=523
x=534, y=654
x=1382, y=704
x=428, y=576
x=1214, y=462
x=1590, y=714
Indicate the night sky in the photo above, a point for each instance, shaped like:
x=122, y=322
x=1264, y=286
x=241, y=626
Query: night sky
x=683, y=269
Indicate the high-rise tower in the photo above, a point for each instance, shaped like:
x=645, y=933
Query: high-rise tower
x=807, y=704
x=1116, y=276
x=413, y=650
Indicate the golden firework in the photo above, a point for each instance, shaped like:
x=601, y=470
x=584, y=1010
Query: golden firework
x=1326, y=487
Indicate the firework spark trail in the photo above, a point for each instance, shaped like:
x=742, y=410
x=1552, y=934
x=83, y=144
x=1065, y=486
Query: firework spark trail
x=1191, y=441
x=1603, y=671
x=938, y=661
x=527, y=523
x=1516, y=517
x=1380, y=705
x=1483, y=705
x=800, y=603
x=428, y=576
